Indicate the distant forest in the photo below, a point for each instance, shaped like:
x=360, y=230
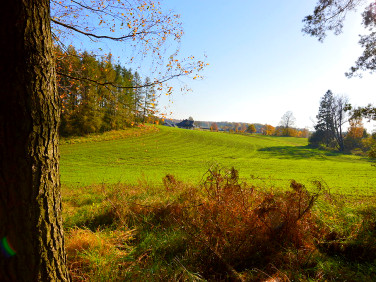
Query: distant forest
x=89, y=106
x=241, y=127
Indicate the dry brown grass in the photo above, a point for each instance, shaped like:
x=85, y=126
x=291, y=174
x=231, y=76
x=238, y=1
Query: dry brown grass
x=238, y=227
x=89, y=252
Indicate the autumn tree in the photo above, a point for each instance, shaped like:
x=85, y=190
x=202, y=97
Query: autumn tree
x=304, y=133
x=243, y=127
x=293, y=132
x=267, y=129
x=214, y=127
x=31, y=230
x=251, y=128
x=355, y=133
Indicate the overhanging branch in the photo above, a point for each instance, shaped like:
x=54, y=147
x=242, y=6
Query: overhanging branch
x=100, y=36
x=112, y=84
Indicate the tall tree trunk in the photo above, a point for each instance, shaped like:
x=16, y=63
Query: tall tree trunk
x=31, y=233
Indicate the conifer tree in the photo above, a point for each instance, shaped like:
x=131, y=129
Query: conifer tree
x=148, y=100
x=325, y=126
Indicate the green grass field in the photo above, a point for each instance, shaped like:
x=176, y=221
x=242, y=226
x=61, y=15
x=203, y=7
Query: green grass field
x=151, y=153
x=149, y=231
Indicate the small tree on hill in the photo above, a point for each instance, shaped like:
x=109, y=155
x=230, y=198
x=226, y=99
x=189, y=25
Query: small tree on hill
x=251, y=128
x=243, y=127
x=355, y=134
x=214, y=127
x=287, y=122
x=267, y=129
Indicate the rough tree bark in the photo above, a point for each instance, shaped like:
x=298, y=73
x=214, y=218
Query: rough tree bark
x=31, y=233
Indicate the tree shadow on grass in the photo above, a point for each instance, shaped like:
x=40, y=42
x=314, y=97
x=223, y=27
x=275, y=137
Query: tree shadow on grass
x=297, y=152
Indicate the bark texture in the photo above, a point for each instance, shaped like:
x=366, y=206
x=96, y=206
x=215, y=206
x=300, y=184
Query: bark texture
x=30, y=201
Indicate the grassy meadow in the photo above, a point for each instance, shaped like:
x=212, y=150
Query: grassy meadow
x=152, y=152
x=142, y=205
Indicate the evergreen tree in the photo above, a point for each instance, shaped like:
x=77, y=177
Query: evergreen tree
x=88, y=115
x=148, y=101
x=325, y=124
x=137, y=95
x=90, y=107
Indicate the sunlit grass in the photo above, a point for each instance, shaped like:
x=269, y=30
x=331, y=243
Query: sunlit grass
x=151, y=153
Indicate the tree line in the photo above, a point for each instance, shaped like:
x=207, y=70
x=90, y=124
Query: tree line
x=89, y=106
x=284, y=129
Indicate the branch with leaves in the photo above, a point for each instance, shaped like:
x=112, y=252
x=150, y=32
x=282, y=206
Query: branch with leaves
x=142, y=25
x=330, y=16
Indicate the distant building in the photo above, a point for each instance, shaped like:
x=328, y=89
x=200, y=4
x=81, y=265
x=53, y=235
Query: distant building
x=186, y=124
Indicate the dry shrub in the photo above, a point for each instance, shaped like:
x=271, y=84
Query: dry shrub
x=170, y=182
x=239, y=227
x=79, y=240
x=156, y=214
x=231, y=227
x=153, y=206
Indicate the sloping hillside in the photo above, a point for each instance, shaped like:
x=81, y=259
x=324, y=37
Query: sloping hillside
x=152, y=153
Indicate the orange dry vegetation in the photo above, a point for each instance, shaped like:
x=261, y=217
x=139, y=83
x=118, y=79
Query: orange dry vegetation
x=232, y=226
x=86, y=251
x=137, y=130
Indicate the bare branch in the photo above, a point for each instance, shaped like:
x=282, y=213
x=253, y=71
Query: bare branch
x=102, y=36
x=106, y=84
x=328, y=16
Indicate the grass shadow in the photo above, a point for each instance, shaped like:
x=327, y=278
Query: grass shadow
x=359, y=245
x=297, y=152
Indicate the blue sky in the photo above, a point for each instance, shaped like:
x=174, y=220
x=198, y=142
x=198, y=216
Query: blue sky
x=261, y=64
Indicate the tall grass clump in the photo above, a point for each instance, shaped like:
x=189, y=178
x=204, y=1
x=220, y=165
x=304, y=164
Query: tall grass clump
x=98, y=256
